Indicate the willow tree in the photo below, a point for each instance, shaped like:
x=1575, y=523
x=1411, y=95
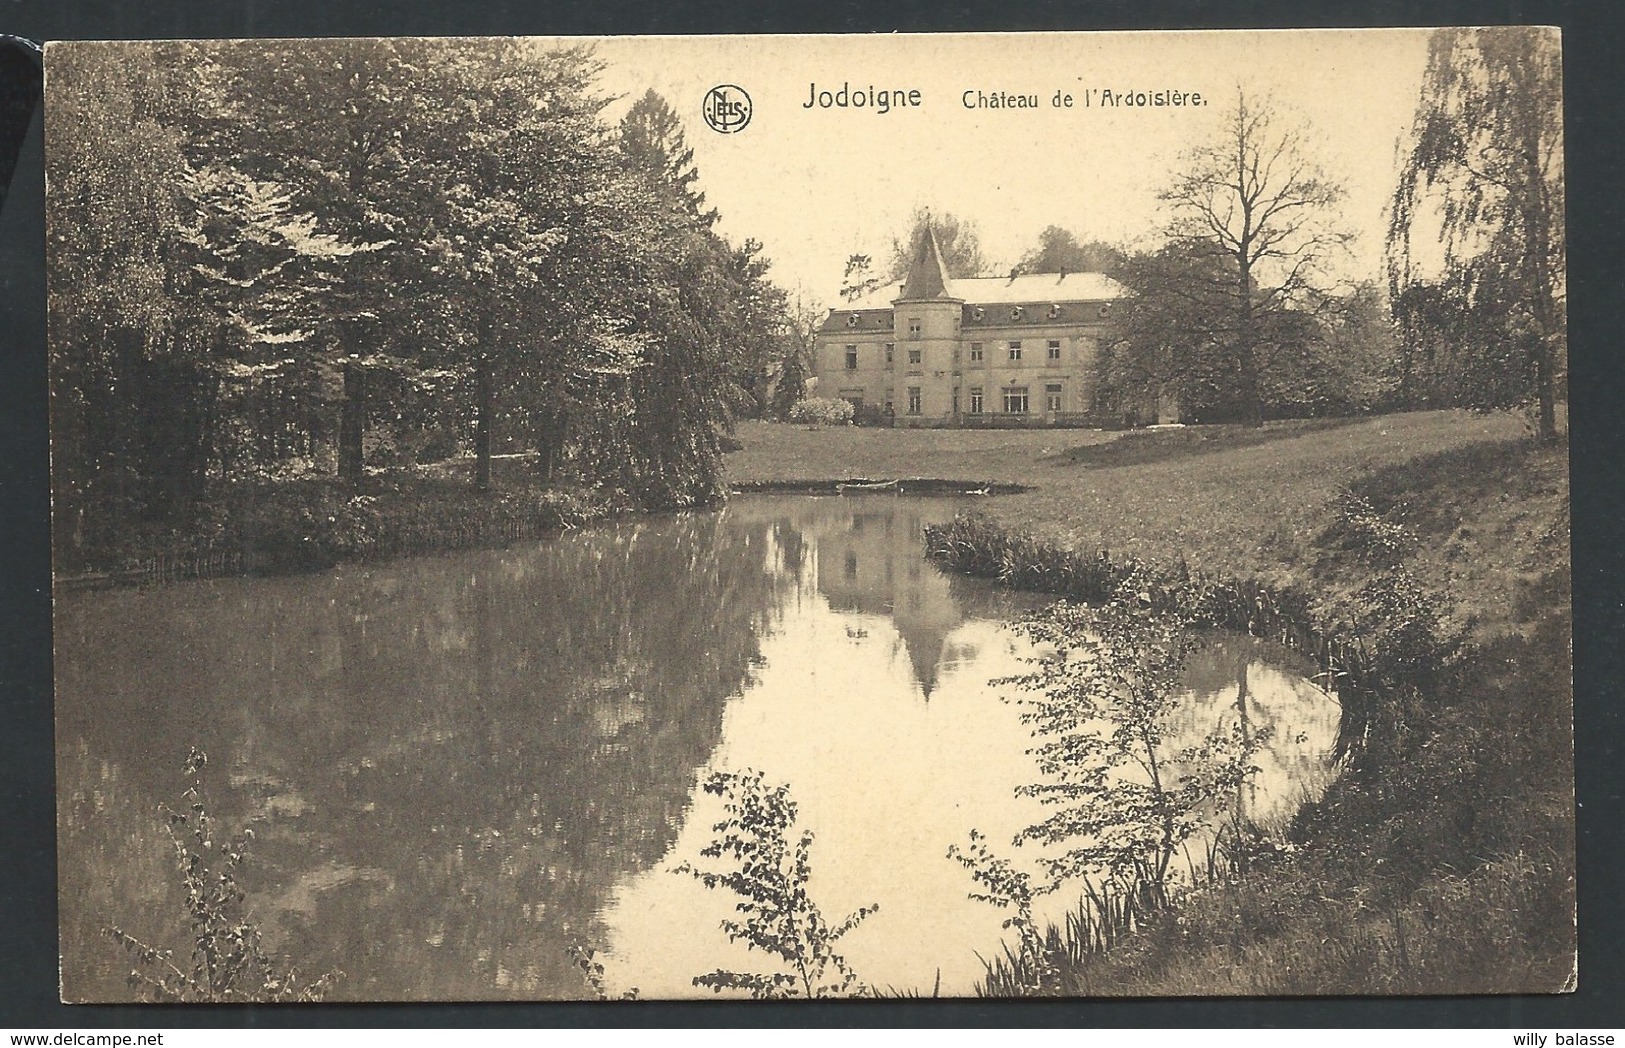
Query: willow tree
x=707, y=318
x=1255, y=195
x=1476, y=247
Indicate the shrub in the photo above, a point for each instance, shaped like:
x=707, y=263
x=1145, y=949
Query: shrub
x=1373, y=539
x=309, y=526
x=770, y=875
x=436, y=444
x=1124, y=801
x=872, y=415
x=821, y=411
x=228, y=962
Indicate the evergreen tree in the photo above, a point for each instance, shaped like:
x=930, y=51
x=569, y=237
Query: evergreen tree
x=653, y=143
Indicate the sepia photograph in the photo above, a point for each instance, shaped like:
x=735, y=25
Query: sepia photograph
x=1073, y=515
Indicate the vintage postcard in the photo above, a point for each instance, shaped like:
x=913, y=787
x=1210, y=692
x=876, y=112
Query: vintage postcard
x=794, y=517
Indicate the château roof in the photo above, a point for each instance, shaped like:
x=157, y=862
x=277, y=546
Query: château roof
x=1034, y=288
x=927, y=278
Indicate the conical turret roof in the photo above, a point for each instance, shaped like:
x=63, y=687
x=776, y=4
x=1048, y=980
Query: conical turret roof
x=927, y=274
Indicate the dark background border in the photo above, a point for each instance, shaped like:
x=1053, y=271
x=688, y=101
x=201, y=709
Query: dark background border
x=1593, y=52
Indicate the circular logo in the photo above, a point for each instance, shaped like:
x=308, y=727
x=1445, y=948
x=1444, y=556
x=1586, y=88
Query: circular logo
x=726, y=108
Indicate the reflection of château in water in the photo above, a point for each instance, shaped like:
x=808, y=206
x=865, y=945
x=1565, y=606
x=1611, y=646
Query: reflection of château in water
x=863, y=554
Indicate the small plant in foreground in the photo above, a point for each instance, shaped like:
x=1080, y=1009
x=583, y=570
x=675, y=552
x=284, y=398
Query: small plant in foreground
x=1124, y=800
x=592, y=973
x=1031, y=971
x=228, y=963
x=769, y=873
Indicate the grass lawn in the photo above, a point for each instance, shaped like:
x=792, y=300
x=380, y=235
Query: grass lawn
x=786, y=451
x=1243, y=502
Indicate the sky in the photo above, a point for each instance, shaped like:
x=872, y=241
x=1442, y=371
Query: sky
x=818, y=184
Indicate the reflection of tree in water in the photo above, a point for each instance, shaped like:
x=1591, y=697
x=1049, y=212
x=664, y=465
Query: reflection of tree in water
x=1234, y=679
x=454, y=758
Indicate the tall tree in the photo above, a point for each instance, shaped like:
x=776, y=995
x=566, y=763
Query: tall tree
x=116, y=172
x=1255, y=194
x=961, y=245
x=761, y=311
x=652, y=141
x=1476, y=247
x=353, y=161
x=1170, y=335
x=1173, y=334
x=711, y=320
x=1059, y=251
x=521, y=239
x=800, y=339
x=859, y=278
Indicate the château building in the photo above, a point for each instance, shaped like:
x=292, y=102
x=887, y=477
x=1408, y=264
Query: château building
x=935, y=351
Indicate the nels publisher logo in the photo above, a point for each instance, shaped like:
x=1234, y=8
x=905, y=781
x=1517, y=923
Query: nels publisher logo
x=726, y=108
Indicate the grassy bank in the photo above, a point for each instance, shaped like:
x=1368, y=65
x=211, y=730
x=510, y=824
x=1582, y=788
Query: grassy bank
x=1442, y=860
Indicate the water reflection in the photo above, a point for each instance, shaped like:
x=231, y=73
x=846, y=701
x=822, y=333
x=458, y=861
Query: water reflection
x=460, y=766
x=448, y=760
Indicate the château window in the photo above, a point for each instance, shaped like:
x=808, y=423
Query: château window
x=1054, y=349
x=1015, y=351
x=891, y=348
x=851, y=358
x=913, y=327
x=1015, y=400
x=976, y=400
x=914, y=400
x=1052, y=396
x=975, y=352
x=914, y=355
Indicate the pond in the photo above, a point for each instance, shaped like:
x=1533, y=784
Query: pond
x=459, y=768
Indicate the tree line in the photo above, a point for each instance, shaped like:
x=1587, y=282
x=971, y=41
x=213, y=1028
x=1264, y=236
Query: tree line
x=272, y=261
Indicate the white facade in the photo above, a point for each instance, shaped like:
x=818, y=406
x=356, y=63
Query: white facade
x=933, y=350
